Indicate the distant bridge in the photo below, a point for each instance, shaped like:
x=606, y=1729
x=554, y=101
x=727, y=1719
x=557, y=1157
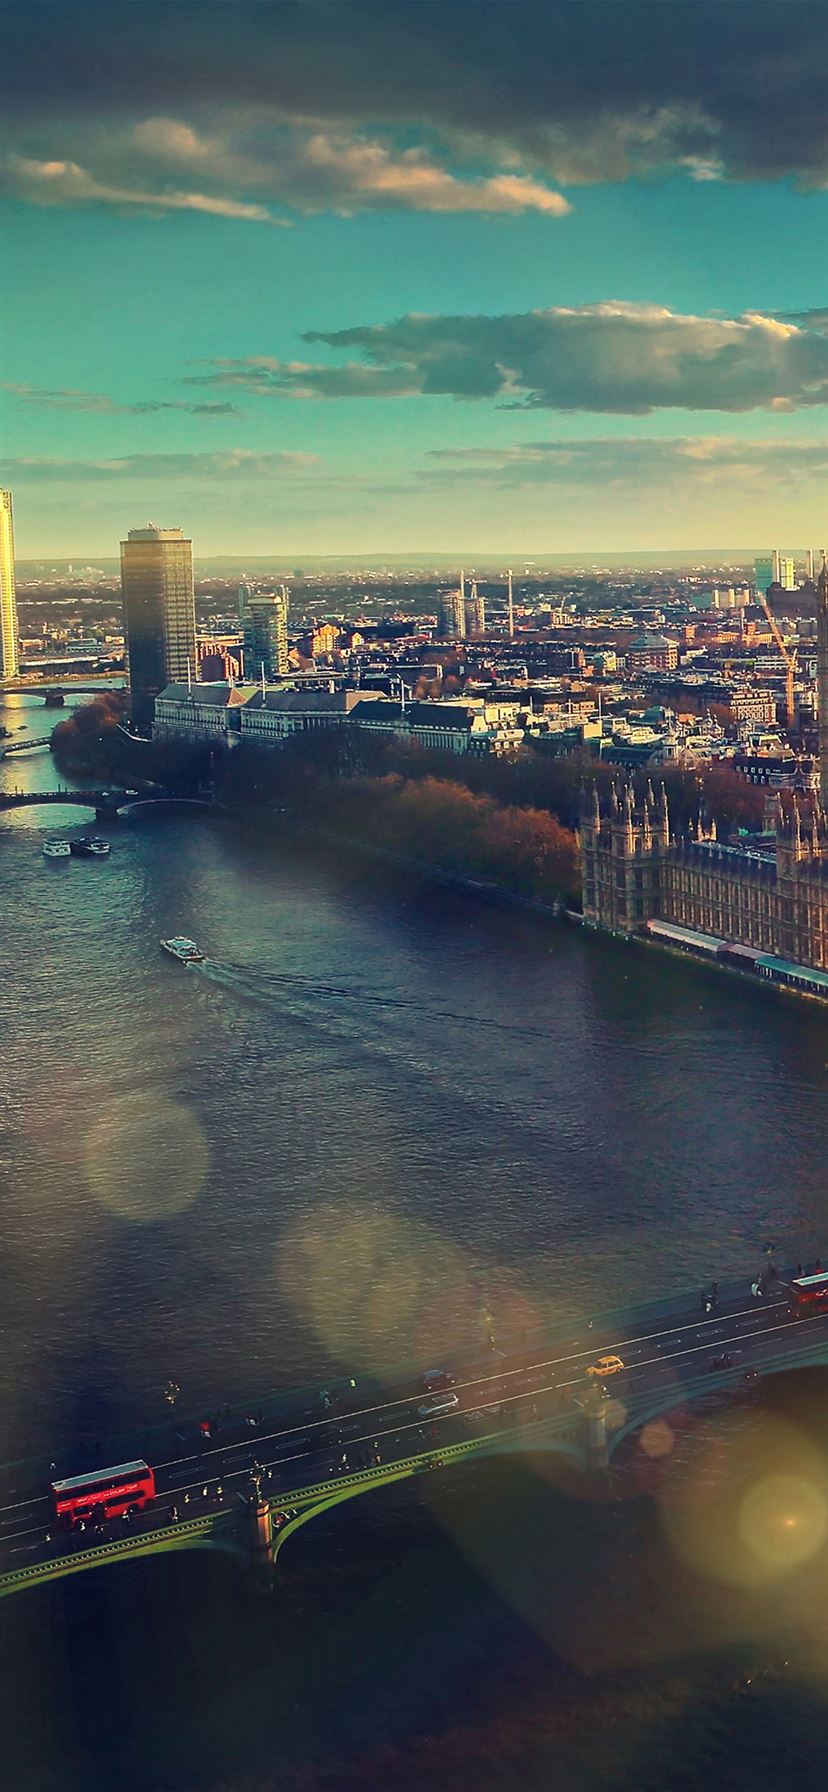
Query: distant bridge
x=55, y=694
x=107, y=804
x=247, y=1484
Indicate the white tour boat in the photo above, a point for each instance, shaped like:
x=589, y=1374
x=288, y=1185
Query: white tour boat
x=57, y=849
x=186, y=951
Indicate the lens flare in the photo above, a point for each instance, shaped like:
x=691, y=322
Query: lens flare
x=784, y=1520
x=746, y=1507
x=146, y=1157
x=657, y=1439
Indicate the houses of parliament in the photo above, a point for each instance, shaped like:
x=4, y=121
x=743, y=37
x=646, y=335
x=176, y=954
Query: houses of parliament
x=766, y=898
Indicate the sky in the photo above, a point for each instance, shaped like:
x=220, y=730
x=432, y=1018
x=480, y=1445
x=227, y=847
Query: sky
x=395, y=276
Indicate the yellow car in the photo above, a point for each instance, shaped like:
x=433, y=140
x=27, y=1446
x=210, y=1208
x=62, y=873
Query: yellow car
x=606, y=1365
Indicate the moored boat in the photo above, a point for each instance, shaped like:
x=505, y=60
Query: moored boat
x=89, y=846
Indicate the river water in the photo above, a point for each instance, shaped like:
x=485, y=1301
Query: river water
x=378, y=1114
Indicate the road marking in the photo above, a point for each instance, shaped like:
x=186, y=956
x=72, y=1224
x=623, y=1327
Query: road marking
x=327, y=1419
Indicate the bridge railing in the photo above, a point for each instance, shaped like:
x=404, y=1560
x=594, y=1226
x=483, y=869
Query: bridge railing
x=301, y=1503
x=154, y=1439
x=178, y=1536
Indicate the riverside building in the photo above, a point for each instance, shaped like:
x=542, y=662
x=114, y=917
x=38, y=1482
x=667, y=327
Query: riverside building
x=8, y=601
x=766, y=899
x=822, y=676
x=159, y=613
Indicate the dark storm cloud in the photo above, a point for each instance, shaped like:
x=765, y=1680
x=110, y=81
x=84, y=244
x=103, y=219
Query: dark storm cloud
x=612, y=357
x=577, y=90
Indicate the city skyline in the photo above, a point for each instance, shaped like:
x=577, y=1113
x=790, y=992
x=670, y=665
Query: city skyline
x=404, y=293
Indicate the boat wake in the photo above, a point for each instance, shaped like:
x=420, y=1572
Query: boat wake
x=270, y=986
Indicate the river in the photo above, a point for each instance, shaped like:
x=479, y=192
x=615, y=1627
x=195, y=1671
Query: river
x=377, y=1114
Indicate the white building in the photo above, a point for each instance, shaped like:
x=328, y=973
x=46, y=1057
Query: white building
x=200, y=712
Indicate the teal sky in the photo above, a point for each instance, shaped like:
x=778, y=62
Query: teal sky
x=582, y=312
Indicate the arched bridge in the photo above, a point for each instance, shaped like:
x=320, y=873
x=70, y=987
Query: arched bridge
x=247, y=1481
x=106, y=803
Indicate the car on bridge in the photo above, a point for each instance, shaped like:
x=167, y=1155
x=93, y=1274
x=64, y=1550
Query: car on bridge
x=438, y=1405
x=435, y=1380
x=606, y=1365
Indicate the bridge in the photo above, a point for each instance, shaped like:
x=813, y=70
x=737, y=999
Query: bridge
x=107, y=804
x=24, y=746
x=54, y=694
x=247, y=1482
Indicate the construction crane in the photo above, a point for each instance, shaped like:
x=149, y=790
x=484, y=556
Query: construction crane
x=789, y=659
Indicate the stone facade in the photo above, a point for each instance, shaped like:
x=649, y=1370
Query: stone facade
x=822, y=676
x=771, y=898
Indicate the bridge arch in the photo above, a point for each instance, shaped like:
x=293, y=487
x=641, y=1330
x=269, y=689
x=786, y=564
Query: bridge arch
x=216, y=1533
x=535, y=1439
x=727, y=1381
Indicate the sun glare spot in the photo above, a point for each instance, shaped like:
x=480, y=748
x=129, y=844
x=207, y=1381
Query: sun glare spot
x=146, y=1157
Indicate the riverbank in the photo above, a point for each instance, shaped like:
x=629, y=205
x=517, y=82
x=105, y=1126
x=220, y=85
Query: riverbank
x=421, y=868
x=751, y=978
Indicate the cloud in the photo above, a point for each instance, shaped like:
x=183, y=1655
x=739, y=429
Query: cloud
x=58, y=182
x=638, y=464
x=613, y=357
x=816, y=320
x=235, y=464
x=68, y=398
x=575, y=91
x=310, y=170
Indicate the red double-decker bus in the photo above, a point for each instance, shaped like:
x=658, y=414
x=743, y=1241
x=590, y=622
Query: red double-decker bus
x=106, y=1493
x=809, y=1294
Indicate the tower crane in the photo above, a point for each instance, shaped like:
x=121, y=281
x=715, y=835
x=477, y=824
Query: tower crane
x=788, y=657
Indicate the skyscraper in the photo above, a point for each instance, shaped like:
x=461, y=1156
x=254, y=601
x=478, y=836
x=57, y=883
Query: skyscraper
x=474, y=613
x=265, y=634
x=787, y=572
x=159, y=613
x=822, y=676
x=8, y=601
x=766, y=570
x=451, y=612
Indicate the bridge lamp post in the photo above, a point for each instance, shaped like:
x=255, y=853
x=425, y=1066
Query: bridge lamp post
x=595, y=1412
x=260, y=1531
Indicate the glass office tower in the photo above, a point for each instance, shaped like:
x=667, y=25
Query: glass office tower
x=159, y=613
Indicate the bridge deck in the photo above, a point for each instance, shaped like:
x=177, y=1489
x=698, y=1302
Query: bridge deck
x=535, y=1399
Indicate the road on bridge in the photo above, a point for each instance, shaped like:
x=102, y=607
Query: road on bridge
x=366, y=1425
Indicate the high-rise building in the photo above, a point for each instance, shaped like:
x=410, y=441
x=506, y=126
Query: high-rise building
x=244, y=595
x=809, y=564
x=474, y=613
x=451, y=612
x=265, y=634
x=822, y=676
x=766, y=570
x=787, y=572
x=8, y=601
x=159, y=613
